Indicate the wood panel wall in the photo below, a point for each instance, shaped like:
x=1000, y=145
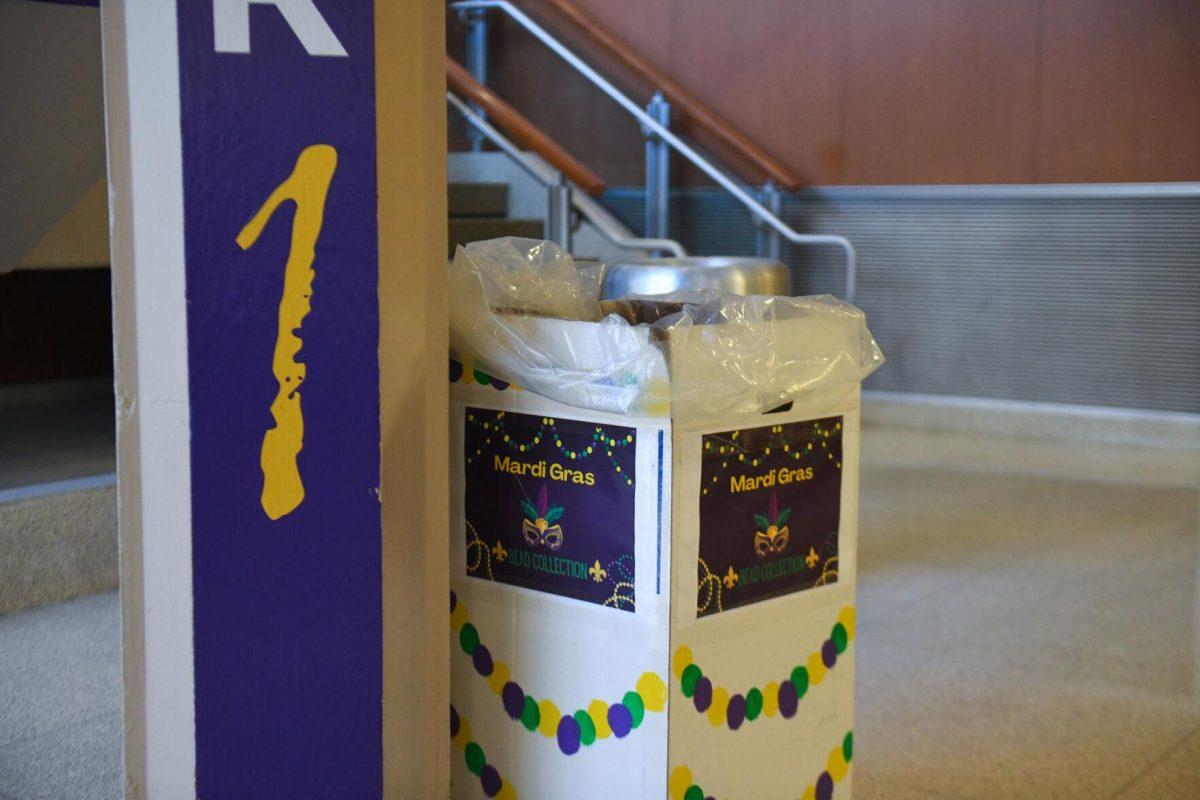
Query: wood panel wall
x=885, y=92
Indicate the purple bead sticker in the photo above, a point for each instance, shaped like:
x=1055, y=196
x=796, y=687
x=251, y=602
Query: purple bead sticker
x=482, y=659
x=489, y=777
x=620, y=720
x=824, y=786
x=735, y=714
x=514, y=699
x=788, y=700
x=829, y=653
x=568, y=735
x=702, y=697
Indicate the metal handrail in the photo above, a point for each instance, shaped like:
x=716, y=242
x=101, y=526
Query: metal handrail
x=519, y=128
x=683, y=148
x=608, y=225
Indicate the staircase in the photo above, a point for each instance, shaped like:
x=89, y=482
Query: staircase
x=480, y=211
x=58, y=517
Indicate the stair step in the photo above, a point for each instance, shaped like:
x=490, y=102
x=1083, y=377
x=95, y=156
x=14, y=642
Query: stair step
x=474, y=229
x=478, y=199
x=59, y=542
x=58, y=509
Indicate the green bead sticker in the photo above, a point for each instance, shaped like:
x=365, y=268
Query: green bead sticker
x=693, y=793
x=848, y=747
x=754, y=703
x=531, y=717
x=475, y=758
x=637, y=709
x=468, y=638
x=800, y=680
x=839, y=638
x=687, y=681
x=587, y=728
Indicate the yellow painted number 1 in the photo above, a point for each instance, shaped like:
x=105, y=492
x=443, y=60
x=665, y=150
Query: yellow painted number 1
x=283, y=489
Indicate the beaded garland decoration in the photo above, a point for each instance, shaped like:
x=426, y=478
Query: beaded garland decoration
x=489, y=777
x=680, y=785
x=722, y=707
x=572, y=731
x=478, y=554
x=466, y=372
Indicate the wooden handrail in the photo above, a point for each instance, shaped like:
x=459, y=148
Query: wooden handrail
x=522, y=131
x=692, y=107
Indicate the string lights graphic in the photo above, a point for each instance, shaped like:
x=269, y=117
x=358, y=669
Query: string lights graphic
x=733, y=453
x=494, y=424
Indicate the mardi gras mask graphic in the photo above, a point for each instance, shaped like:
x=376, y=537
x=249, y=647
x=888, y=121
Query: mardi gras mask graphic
x=772, y=535
x=539, y=525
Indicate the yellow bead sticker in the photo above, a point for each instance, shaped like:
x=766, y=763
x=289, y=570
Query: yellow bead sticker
x=771, y=699
x=464, y=734
x=551, y=716
x=847, y=618
x=598, y=711
x=720, y=704
x=683, y=657
x=836, y=766
x=816, y=669
x=499, y=677
x=653, y=691
x=678, y=783
x=458, y=617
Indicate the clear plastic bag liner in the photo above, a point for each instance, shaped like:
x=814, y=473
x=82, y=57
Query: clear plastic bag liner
x=528, y=314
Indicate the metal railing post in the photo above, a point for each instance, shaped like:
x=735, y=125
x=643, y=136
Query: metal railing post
x=584, y=206
x=477, y=58
x=767, y=241
x=658, y=171
x=651, y=124
x=558, y=212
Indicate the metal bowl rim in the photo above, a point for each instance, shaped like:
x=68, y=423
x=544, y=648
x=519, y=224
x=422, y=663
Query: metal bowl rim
x=699, y=262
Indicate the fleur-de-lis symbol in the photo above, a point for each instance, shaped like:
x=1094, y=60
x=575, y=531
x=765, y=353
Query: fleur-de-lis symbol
x=731, y=578
x=812, y=558
x=499, y=551
x=597, y=572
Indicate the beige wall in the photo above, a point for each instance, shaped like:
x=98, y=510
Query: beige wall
x=52, y=204
x=414, y=396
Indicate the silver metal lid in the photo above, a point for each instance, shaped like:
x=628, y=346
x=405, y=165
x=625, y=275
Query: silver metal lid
x=724, y=274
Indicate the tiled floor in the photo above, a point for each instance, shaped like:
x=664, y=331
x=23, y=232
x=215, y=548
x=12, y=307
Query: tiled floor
x=1029, y=620
x=60, y=701
x=1029, y=626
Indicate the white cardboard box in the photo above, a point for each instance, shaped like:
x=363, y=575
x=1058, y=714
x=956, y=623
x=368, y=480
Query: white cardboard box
x=666, y=559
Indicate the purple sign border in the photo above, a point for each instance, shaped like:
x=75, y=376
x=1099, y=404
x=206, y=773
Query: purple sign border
x=287, y=614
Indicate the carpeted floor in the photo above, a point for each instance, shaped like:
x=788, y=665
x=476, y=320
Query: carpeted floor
x=1028, y=626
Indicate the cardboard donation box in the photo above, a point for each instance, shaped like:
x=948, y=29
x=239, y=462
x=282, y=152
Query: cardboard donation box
x=653, y=587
